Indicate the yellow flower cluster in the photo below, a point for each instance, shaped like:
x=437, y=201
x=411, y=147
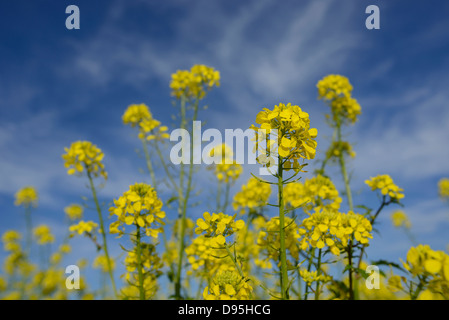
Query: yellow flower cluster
x=337, y=90
x=228, y=172
x=443, y=188
x=269, y=239
x=334, y=86
x=101, y=262
x=140, y=206
x=194, y=83
x=74, y=211
x=228, y=285
x=295, y=138
x=338, y=148
x=432, y=265
x=312, y=276
x=11, y=240
x=316, y=192
x=27, y=197
x=253, y=196
x=151, y=265
x=43, y=235
x=139, y=115
x=333, y=229
x=84, y=155
x=385, y=184
x=202, y=254
x=218, y=227
x=400, y=219
x=83, y=227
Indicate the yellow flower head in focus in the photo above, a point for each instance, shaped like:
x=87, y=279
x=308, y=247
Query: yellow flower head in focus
x=194, y=83
x=74, y=211
x=218, y=227
x=385, y=184
x=400, y=219
x=83, y=155
x=140, y=206
x=27, y=197
x=253, y=196
x=286, y=129
x=43, y=234
x=443, y=188
x=139, y=115
x=228, y=285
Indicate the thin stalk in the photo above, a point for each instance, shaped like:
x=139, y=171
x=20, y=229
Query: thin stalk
x=139, y=264
x=102, y=230
x=183, y=200
x=318, y=268
x=283, y=253
x=29, y=230
x=149, y=164
x=309, y=267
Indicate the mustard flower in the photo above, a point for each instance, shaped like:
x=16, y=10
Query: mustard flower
x=316, y=192
x=385, y=184
x=269, y=239
x=218, y=227
x=140, y=206
x=443, y=188
x=400, y=219
x=27, y=197
x=11, y=240
x=139, y=115
x=334, y=86
x=101, y=262
x=83, y=227
x=338, y=148
x=194, y=83
x=204, y=257
x=43, y=234
x=74, y=211
x=253, y=196
x=83, y=155
x=228, y=285
x=312, y=276
x=295, y=139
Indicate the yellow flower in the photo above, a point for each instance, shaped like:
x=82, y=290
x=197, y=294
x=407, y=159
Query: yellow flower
x=43, y=234
x=139, y=115
x=400, y=219
x=443, y=188
x=334, y=86
x=194, y=83
x=312, y=276
x=228, y=285
x=83, y=226
x=293, y=138
x=338, y=148
x=316, y=192
x=253, y=196
x=218, y=227
x=27, y=197
x=74, y=211
x=84, y=155
x=336, y=89
x=385, y=184
x=101, y=262
x=140, y=206
x=11, y=240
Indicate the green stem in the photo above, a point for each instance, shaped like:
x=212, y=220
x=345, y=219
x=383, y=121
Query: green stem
x=139, y=264
x=29, y=230
x=183, y=200
x=149, y=164
x=283, y=251
x=318, y=268
x=102, y=230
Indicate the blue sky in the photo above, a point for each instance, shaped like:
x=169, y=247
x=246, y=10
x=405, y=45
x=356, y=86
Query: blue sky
x=59, y=86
